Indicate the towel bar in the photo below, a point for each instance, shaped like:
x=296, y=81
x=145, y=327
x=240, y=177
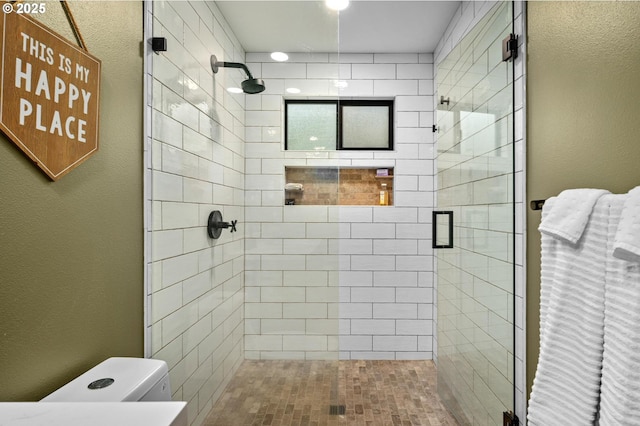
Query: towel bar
x=536, y=204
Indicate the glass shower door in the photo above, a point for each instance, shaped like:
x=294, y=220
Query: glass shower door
x=475, y=277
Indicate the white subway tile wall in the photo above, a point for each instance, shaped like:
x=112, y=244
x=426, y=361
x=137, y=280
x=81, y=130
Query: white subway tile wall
x=196, y=296
x=332, y=271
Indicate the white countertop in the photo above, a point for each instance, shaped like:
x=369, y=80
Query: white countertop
x=170, y=413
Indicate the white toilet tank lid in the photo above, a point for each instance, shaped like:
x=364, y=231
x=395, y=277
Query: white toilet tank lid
x=115, y=379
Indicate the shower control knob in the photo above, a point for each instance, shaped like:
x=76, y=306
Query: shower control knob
x=215, y=224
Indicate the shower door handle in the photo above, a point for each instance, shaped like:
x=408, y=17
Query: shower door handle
x=442, y=222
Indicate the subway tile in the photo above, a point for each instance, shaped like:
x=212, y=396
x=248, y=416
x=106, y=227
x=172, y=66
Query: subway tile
x=414, y=327
x=350, y=246
x=357, y=88
x=373, y=263
x=304, y=310
x=356, y=58
x=395, y=247
x=373, y=230
x=321, y=294
x=262, y=118
x=282, y=326
x=304, y=343
x=356, y=310
x=373, y=327
x=356, y=278
x=415, y=71
x=166, y=244
x=356, y=343
x=328, y=262
x=282, y=294
x=414, y=103
x=395, y=87
x=179, y=268
x=370, y=295
x=395, y=58
x=263, y=342
x=165, y=301
x=263, y=310
x=196, y=286
x=197, y=191
x=350, y=214
x=395, y=310
x=304, y=278
x=414, y=295
x=395, y=343
x=284, y=70
x=395, y=279
x=329, y=71
x=282, y=230
x=263, y=246
x=373, y=71
x=305, y=214
x=305, y=246
x=328, y=230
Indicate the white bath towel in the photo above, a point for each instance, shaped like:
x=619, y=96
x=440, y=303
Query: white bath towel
x=627, y=236
x=620, y=391
x=567, y=380
x=569, y=217
x=293, y=187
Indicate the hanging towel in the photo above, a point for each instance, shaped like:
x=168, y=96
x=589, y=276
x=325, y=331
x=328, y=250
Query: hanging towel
x=620, y=391
x=627, y=238
x=569, y=217
x=567, y=380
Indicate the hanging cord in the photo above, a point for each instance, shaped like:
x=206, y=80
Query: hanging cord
x=74, y=26
x=72, y=23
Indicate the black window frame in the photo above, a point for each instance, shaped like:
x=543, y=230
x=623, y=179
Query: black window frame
x=389, y=103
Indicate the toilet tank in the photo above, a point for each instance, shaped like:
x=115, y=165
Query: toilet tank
x=118, y=379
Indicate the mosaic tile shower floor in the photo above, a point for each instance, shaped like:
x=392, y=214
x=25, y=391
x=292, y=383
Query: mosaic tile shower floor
x=373, y=393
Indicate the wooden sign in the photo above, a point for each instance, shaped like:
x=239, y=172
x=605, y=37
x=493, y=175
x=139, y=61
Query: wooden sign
x=49, y=95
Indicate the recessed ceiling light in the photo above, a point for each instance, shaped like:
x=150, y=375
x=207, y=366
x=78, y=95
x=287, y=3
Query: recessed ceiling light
x=234, y=90
x=337, y=4
x=293, y=90
x=279, y=56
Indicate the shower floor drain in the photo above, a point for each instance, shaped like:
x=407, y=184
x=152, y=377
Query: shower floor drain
x=337, y=410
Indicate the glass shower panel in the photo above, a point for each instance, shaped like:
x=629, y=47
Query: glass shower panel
x=475, y=326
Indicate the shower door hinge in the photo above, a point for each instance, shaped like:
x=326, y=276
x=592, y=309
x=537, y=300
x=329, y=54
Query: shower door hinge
x=510, y=419
x=510, y=48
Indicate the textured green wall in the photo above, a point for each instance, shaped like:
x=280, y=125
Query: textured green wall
x=71, y=252
x=583, y=114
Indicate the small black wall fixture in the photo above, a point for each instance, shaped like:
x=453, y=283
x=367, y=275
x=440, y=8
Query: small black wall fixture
x=159, y=44
x=250, y=85
x=215, y=225
x=510, y=48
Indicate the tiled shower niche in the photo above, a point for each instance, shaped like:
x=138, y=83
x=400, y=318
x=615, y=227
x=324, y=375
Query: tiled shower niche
x=337, y=186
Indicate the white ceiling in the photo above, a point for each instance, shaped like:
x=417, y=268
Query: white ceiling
x=366, y=26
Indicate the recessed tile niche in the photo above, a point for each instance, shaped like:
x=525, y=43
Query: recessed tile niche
x=343, y=186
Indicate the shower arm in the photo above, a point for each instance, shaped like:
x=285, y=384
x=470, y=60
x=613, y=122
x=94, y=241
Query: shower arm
x=215, y=64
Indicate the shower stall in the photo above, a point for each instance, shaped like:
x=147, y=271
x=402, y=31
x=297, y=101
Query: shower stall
x=317, y=270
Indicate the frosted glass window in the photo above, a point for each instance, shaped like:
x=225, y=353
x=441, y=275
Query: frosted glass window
x=318, y=125
x=311, y=126
x=365, y=127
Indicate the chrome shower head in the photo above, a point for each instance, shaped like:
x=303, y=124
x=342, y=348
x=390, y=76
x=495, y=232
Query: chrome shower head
x=250, y=85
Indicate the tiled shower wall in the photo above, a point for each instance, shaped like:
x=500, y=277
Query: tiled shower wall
x=195, y=161
x=463, y=22
x=334, y=281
